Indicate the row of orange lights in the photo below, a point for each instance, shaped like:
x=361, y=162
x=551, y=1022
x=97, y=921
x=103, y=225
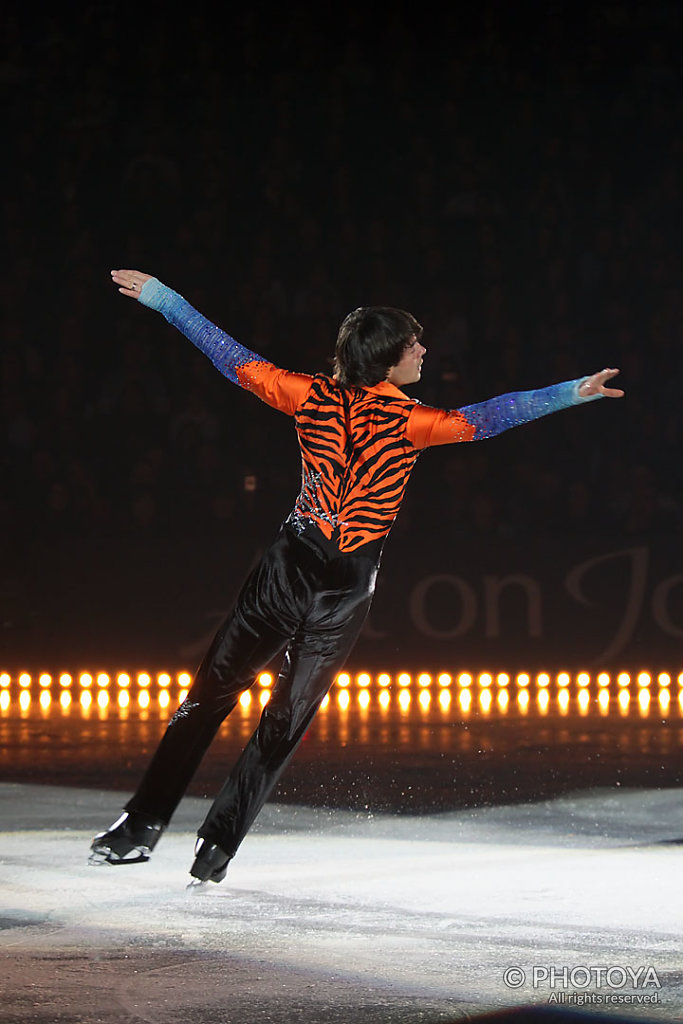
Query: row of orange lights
x=364, y=680
x=464, y=700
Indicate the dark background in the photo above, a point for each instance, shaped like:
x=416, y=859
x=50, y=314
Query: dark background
x=512, y=180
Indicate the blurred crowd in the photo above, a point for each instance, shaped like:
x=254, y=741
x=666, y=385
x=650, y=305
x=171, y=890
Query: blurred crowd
x=516, y=187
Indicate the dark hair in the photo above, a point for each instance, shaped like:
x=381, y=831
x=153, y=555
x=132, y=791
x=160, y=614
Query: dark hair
x=370, y=341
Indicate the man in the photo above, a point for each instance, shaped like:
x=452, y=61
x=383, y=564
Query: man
x=360, y=437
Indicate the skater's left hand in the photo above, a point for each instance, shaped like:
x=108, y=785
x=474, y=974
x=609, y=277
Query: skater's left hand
x=595, y=385
x=129, y=281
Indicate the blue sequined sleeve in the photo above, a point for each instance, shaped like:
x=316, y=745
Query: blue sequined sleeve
x=511, y=410
x=428, y=426
x=226, y=354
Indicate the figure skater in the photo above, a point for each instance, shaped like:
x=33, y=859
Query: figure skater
x=360, y=437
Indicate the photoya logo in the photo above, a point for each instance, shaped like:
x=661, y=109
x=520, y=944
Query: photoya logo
x=582, y=977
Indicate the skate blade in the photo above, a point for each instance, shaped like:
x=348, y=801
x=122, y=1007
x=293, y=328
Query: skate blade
x=99, y=857
x=196, y=884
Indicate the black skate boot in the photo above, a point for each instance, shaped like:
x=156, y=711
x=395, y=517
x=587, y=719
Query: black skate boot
x=210, y=863
x=134, y=833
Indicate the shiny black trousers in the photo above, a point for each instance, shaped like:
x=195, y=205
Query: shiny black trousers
x=298, y=600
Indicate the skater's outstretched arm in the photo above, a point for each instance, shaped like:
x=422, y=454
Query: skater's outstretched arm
x=428, y=426
x=280, y=388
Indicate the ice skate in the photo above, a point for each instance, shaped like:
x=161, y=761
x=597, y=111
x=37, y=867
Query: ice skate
x=130, y=840
x=210, y=864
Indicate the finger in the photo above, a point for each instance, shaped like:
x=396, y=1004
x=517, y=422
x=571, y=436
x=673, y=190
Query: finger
x=127, y=279
x=128, y=282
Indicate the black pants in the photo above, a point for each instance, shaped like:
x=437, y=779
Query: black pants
x=302, y=601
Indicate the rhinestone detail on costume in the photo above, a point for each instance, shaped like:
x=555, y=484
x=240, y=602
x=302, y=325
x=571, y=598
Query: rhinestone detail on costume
x=308, y=508
x=184, y=710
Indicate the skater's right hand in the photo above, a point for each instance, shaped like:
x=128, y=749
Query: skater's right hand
x=129, y=281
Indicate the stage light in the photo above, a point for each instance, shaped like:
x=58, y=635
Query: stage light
x=523, y=701
x=5, y=700
x=563, y=700
x=364, y=699
x=625, y=680
x=245, y=699
x=445, y=699
x=384, y=699
x=184, y=679
x=102, y=699
x=465, y=699
x=543, y=700
x=503, y=700
x=85, y=699
x=404, y=700
x=65, y=700
x=325, y=703
x=343, y=699
x=123, y=698
x=164, y=699
x=143, y=699
x=5, y=679
x=485, y=701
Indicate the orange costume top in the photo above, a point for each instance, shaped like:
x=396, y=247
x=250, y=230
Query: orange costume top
x=358, y=444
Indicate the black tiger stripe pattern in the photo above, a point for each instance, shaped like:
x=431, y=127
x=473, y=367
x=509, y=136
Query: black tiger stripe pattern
x=356, y=462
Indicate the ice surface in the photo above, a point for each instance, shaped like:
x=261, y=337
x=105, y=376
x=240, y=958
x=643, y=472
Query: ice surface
x=329, y=915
